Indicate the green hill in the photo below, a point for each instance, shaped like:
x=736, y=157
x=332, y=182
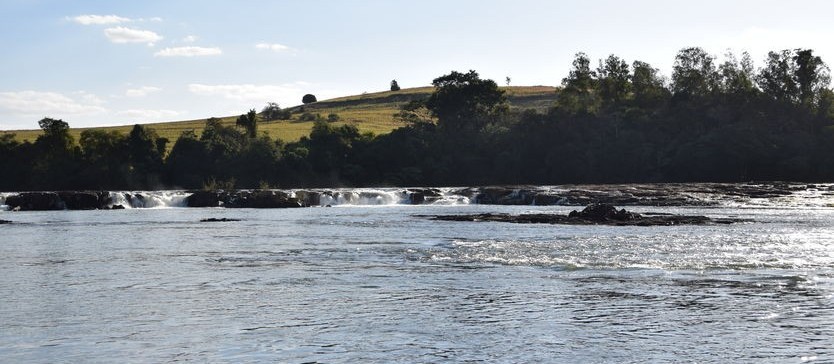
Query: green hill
x=370, y=112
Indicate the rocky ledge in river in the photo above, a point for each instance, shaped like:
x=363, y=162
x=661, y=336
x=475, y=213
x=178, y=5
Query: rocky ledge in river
x=594, y=214
x=259, y=199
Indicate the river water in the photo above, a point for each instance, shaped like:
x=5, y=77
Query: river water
x=381, y=284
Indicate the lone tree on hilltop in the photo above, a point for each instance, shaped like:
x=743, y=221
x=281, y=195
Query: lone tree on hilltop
x=394, y=85
x=274, y=112
x=308, y=99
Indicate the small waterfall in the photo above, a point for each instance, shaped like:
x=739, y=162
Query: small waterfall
x=3, y=206
x=361, y=197
x=450, y=196
x=148, y=199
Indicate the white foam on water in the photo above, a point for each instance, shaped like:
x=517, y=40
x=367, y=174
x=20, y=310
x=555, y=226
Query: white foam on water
x=363, y=197
x=148, y=199
x=3, y=195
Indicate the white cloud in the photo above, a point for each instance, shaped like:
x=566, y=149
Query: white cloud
x=128, y=35
x=188, y=52
x=149, y=114
x=759, y=40
x=190, y=39
x=38, y=104
x=275, y=47
x=91, y=19
x=141, y=91
x=256, y=94
x=247, y=95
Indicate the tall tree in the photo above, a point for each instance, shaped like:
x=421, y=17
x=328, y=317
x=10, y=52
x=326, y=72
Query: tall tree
x=694, y=74
x=737, y=76
x=812, y=76
x=394, y=85
x=249, y=122
x=648, y=86
x=776, y=78
x=578, y=94
x=614, y=78
x=145, y=157
x=55, y=137
x=463, y=101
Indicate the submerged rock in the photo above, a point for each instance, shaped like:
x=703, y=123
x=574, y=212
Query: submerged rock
x=221, y=219
x=595, y=214
x=5, y=222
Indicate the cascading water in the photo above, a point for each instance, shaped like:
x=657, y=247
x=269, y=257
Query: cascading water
x=148, y=199
x=3, y=205
x=362, y=197
x=781, y=195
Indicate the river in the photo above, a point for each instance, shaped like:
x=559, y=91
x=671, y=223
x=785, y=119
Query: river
x=383, y=284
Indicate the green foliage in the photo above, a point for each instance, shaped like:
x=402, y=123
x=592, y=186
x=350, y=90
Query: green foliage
x=332, y=118
x=464, y=102
x=694, y=74
x=614, y=80
x=394, y=85
x=249, y=122
x=56, y=137
x=648, y=86
x=578, y=95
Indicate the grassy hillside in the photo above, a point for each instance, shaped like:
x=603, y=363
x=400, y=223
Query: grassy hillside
x=370, y=112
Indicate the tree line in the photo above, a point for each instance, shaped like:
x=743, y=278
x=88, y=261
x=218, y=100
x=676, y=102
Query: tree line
x=614, y=123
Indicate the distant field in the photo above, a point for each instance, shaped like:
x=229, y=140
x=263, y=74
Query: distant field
x=370, y=112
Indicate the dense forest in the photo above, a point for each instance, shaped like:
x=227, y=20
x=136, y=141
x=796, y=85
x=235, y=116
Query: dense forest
x=617, y=122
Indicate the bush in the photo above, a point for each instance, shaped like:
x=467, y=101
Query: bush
x=308, y=116
x=332, y=118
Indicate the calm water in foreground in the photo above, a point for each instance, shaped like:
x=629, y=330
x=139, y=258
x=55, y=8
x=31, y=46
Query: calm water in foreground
x=378, y=284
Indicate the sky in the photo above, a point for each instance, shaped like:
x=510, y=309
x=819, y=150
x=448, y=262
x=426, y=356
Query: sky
x=98, y=63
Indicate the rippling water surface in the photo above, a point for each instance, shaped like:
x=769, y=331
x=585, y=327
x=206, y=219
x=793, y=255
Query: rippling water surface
x=379, y=284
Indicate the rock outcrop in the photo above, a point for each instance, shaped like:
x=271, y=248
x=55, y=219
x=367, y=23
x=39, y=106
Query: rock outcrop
x=595, y=214
x=257, y=199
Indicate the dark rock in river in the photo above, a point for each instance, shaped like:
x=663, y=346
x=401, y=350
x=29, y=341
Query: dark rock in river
x=74, y=200
x=308, y=198
x=595, y=214
x=257, y=199
x=603, y=212
x=35, y=201
x=262, y=199
x=423, y=195
x=203, y=199
x=215, y=219
x=5, y=222
x=63, y=200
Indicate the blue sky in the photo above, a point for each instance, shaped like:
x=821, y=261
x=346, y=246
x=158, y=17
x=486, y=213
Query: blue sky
x=97, y=63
